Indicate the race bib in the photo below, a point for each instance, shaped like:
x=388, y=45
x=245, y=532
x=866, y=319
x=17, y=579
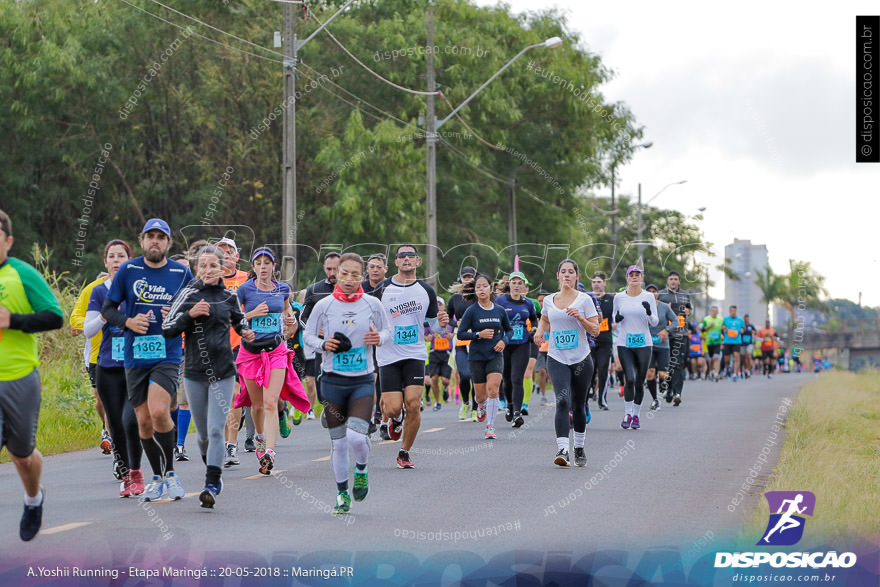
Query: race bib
x=681, y=321
x=406, y=334
x=603, y=327
x=714, y=335
x=149, y=347
x=517, y=332
x=118, y=351
x=635, y=341
x=270, y=323
x=441, y=344
x=747, y=338
x=731, y=333
x=655, y=338
x=696, y=348
x=354, y=359
x=565, y=339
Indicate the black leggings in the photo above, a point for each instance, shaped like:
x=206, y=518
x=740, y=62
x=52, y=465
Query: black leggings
x=602, y=354
x=635, y=363
x=570, y=384
x=516, y=360
x=112, y=390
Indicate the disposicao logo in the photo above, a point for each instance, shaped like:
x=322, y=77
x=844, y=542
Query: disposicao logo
x=786, y=528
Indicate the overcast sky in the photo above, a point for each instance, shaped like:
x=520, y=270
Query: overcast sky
x=753, y=104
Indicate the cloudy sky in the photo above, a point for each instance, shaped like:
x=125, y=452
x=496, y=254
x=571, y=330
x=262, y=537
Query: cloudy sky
x=753, y=104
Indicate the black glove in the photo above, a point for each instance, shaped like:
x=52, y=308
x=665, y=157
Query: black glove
x=618, y=317
x=647, y=308
x=344, y=342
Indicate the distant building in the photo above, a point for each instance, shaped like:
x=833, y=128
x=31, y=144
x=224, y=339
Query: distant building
x=746, y=261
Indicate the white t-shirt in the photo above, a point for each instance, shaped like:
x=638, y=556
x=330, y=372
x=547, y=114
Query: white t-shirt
x=353, y=319
x=634, y=331
x=406, y=306
x=568, y=338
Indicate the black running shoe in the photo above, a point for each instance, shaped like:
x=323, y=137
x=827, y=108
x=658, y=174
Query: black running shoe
x=31, y=519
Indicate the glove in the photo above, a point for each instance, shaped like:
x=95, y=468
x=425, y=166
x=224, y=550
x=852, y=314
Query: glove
x=647, y=308
x=344, y=342
x=618, y=317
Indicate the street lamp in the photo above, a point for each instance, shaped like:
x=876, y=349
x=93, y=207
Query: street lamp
x=640, y=227
x=431, y=144
x=647, y=145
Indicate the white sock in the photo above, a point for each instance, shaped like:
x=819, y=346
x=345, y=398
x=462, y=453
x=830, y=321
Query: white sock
x=260, y=436
x=492, y=410
x=579, y=438
x=339, y=458
x=562, y=443
x=629, y=408
x=32, y=501
x=360, y=446
x=636, y=409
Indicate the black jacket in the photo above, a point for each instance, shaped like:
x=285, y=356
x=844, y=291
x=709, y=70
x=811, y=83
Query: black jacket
x=207, y=352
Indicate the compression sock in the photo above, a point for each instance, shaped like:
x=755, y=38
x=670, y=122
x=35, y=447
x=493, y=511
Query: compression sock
x=183, y=418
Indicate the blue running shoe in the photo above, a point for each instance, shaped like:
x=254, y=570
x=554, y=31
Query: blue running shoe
x=155, y=490
x=173, y=487
x=209, y=494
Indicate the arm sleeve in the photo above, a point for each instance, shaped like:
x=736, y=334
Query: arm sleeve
x=653, y=319
x=47, y=314
x=310, y=336
x=92, y=324
x=78, y=315
x=178, y=319
x=464, y=327
x=432, y=301
x=110, y=312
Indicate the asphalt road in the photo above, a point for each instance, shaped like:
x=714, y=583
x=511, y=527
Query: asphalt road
x=674, y=482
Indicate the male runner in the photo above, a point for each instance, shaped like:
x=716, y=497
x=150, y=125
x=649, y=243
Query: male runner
x=711, y=327
x=315, y=293
x=27, y=306
x=408, y=301
x=603, y=351
x=733, y=326
x=680, y=302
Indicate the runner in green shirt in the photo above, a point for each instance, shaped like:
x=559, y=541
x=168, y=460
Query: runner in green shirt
x=712, y=326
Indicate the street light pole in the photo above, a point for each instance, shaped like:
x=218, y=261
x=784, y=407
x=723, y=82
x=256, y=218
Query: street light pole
x=640, y=228
x=647, y=145
x=431, y=144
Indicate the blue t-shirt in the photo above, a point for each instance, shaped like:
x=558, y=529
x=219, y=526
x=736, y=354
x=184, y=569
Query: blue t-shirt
x=250, y=296
x=521, y=314
x=733, y=326
x=147, y=290
x=112, y=349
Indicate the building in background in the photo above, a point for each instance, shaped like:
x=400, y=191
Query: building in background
x=746, y=261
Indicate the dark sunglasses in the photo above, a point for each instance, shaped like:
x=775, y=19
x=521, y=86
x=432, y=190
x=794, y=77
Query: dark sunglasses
x=406, y=254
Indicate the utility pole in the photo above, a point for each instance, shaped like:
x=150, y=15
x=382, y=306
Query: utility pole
x=640, y=245
x=289, y=154
x=431, y=154
x=613, y=228
x=511, y=213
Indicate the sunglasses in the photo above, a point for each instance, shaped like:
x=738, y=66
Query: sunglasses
x=406, y=254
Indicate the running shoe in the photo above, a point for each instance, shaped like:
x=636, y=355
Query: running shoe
x=343, y=503
x=137, y=482
x=734, y=378
x=509, y=415
x=655, y=405
x=383, y=432
x=297, y=417
x=155, y=490
x=260, y=448
x=463, y=412
x=106, y=444
x=481, y=412
x=421, y=405
x=620, y=393
x=635, y=423
x=626, y=421
x=32, y=519
x=580, y=457
x=676, y=400
x=525, y=409
x=518, y=420
x=310, y=415
x=125, y=486
x=267, y=462
x=446, y=396
x=249, y=445
x=474, y=417
x=231, y=455
x=603, y=407
x=561, y=458
x=173, y=486
x=361, y=487
x=180, y=453
x=371, y=429
x=668, y=398
x=589, y=415
x=283, y=425
x=502, y=406
x=208, y=496
x=118, y=468
x=395, y=429
x=403, y=461
x=490, y=433
x=437, y=407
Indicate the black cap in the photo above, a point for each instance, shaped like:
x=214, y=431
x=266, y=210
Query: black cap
x=653, y=286
x=467, y=270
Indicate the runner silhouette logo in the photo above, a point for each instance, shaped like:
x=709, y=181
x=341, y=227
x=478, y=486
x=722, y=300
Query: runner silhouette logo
x=787, y=511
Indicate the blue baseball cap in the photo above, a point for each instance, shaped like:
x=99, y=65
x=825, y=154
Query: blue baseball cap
x=157, y=224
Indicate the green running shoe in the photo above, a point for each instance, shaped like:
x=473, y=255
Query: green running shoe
x=283, y=425
x=360, y=485
x=343, y=503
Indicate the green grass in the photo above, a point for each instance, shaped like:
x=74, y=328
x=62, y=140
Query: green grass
x=832, y=448
x=68, y=420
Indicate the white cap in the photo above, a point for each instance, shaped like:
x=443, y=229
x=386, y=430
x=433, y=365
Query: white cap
x=227, y=241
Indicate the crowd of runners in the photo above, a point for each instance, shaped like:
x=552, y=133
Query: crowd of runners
x=192, y=337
